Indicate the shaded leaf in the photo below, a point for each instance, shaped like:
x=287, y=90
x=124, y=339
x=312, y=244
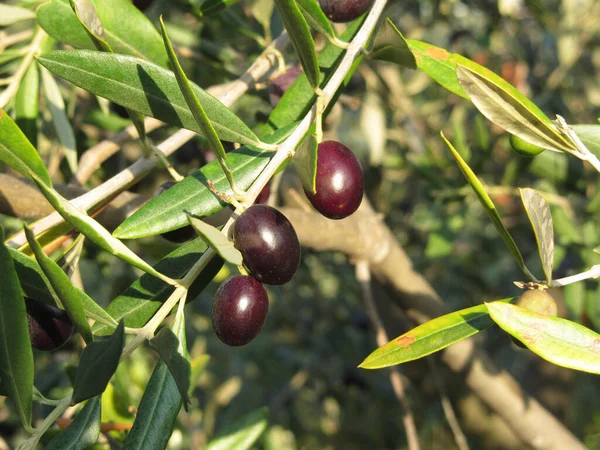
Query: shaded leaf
x=506, y=108
x=145, y=88
x=209, y=7
x=540, y=217
x=489, y=207
x=316, y=17
x=305, y=161
x=97, y=365
x=430, y=337
x=171, y=345
x=11, y=14
x=557, y=340
x=302, y=40
x=139, y=38
x=390, y=45
x=138, y=303
x=590, y=136
x=88, y=18
x=243, y=433
x=16, y=356
x=27, y=103
x=218, y=241
x=83, y=431
x=17, y=152
x=69, y=295
x=156, y=413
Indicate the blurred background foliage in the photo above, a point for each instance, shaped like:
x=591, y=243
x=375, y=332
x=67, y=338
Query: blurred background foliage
x=303, y=365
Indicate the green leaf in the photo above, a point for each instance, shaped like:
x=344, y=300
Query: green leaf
x=430, y=337
x=62, y=125
x=138, y=303
x=93, y=230
x=97, y=365
x=157, y=412
x=489, y=207
x=69, y=295
x=27, y=103
x=218, y=241
x=17, y=152
x=302, y=40
x=305, y=161
x=390, y=45
x=171, y=345
x=590, y=136
x=10, y=14
x=83, y=431
x=316, y=17
x=169, y=210
x=138, y=38
x=540, y=217
x=243, y=433
x=503, y=105
x=88, y=18
x=557, y=340
x=16, y=356
x=145, y=88
x=198, y=365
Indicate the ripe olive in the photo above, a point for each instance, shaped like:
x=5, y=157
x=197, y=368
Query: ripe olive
x=281, y=84
x=524, y=148
x=344, y=10
x=239, y=310
x=49, y=328
x=339, y=181
x=180, y=235
x=268, y=243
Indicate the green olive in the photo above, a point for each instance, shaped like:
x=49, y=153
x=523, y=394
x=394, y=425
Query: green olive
x=524, y=148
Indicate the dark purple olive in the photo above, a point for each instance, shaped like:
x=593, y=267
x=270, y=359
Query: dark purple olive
x=264, y=195
x=339, y=181
x=268, y=243
x=344, y=10
x=281, y=84
x=239, y=310
x=49, y=328
x=180, y=235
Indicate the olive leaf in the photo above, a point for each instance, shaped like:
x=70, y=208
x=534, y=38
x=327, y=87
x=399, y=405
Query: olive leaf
x=305, y=160
x=390, y=45
x=316, y=17
x=217, y=240
x=83, y=431
x=243, y=433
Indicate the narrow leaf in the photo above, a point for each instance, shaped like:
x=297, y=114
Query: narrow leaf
x=218, y=241
x=69, y=295
x=16, y=356
x=316, y=17
x=157, y=412
x=88, y=18
x=489, y=207
x=540, y=217
x=557, y=340
x=297, y=28
x=390, y=45
x=10, y=14
x=138, y=303
x=17, y=152
x=243, y=433
x=430, y=337
x=97, y=365
x=305, y=161
x=83, y=431
x=27, y=103
x=506, y=110
x=139, y=38
x=145, y=88
x=171, y=345
x=62, y=126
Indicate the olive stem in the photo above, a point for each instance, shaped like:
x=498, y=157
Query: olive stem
x=38, y=432
x=590, y=274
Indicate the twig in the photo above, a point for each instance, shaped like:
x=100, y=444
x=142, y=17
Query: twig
x=7, y=40
x=593, y=272
x=363, y=276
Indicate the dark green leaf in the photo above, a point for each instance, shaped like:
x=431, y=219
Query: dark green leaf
x=302, y=40
x=169, y=210
x=137, y=38
x=590, y=136
x=171, y=345
x=145, y=88
x=431, y=337
x=316, y=17
x=218, y=241
x=16, y=356
x=243, y=433
x=83, y=431
x=138, y=303
x=209, y=7
x=17, y=152
x=390, y=45
x=97, y=365
x=305, y=161
x=557, y=340
x=540, y=217
x=27, y=103
x=69, y=295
